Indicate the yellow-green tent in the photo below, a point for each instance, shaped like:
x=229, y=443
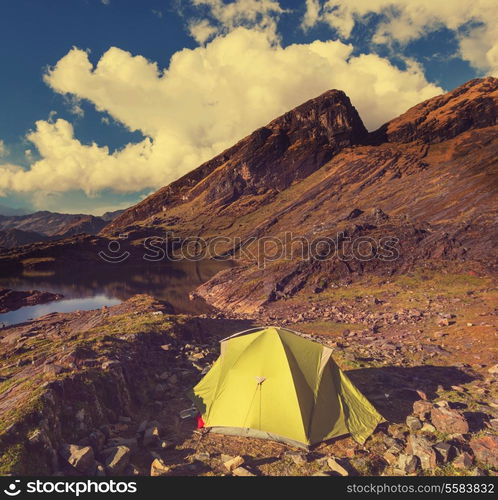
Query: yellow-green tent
x=272, y=383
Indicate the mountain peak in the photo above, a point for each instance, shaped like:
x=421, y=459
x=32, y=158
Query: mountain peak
x=287, y=149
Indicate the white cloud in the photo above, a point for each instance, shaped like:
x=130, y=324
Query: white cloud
x=202, y=30
x=224, y=17
x=3, y=149
x=404, y=21
x=206, y=100
x=312, y=14
x=74, y=105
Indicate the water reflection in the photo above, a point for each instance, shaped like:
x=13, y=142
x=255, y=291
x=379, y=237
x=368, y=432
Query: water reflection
x=108, y=285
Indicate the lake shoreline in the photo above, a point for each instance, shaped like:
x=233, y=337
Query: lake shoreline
x=12, y=300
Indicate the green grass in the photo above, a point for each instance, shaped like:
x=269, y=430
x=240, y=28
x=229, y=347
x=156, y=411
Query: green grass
x=10, y=459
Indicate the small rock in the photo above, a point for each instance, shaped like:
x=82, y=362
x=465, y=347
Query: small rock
x=463, y=461
x=202, y=456
x=396, y=448
x=124, y=420
x=337, y=467
x=159, y=468
x=421, y=394
x=408, y=463
x=117, y=460
x=80, y=457
x=242, y=471
x=422, y=448
x=422, y=409
x=427, y=427
x=486, y=449
x=445, y=451
x=449, y=421
x=413, y=423
x=233, y=463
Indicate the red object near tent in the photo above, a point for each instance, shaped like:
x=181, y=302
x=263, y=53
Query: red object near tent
x=200, y=422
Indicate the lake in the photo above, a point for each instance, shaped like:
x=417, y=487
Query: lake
x=100, y=286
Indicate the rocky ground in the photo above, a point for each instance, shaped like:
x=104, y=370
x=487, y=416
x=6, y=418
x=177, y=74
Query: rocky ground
x=100, y=392
x=10, y=300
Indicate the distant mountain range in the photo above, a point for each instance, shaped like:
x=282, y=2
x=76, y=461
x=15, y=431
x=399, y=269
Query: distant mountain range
x=17, y=230
x=5, y=210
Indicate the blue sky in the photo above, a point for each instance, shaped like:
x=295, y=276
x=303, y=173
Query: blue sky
x=211, y=97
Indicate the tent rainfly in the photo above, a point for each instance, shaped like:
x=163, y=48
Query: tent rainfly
x=274, y=384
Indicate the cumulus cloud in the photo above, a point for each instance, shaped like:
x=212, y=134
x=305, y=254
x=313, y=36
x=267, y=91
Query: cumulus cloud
x=475, y=23
x=207, y=99
x=3, y=149
x=224, y=17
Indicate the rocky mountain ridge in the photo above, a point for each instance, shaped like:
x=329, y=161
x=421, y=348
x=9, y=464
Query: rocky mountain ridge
x=292, y=147
x=427, y=179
